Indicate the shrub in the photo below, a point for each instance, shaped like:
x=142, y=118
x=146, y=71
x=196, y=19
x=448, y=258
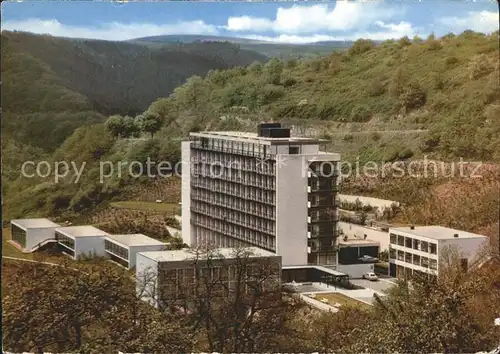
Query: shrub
x=348, y=137
x=405, y=154
x=360, y=113
x=450, y=61
x=361, y=46
x=404, y=42
x=479, y=66
x=289, y=81
x=413, y=97
x=376, y=88
x=376, y=136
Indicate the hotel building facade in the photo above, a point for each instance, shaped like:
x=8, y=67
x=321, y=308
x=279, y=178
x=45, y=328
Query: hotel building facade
x=265, y=189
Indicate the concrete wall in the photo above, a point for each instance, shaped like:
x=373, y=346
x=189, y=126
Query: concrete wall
x=92, y=245
x=146, y=273
x=35, y=236
x=358, y=231
x=291, y=210
x=355, y=271
x=187, y=235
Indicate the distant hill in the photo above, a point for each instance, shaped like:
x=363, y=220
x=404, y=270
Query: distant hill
x=269, y=49
x=46, y=78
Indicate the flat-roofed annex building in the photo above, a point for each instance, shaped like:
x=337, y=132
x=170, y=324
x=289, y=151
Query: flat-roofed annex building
x=421, y=248
x=123, y=249
x=268, y=190
x=166, y=276
x=29, y=234
x=80, y=241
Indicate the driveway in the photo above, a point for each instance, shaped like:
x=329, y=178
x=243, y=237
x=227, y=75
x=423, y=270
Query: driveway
x=379, y=286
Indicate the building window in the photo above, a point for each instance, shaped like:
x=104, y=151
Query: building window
x=115, y=249
x=394, y=239
x=65, y=241
x=408, y=242
x=424, y=246
x=424, y=262
x=433, y=264
x=408, y=258
x=433, y=248
x=416, y=244
x=416, y=259
x=401, y=256
x=294, y=150
x=18, y=235
x=392, y=253
x=401, y=240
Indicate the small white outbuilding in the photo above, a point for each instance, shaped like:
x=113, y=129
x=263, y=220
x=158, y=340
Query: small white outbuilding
x=29, y=234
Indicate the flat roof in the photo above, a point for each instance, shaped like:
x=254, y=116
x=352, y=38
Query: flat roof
x=34, y=223
x=249, y=137
x=129, y=240
x=358, y=242
x=82, y=231
x=437, y=232
x=189, y=254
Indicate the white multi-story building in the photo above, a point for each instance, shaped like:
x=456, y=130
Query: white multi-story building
x=422, y=248
x=267, y=189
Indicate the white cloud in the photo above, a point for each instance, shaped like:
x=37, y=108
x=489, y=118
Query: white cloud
x=109, y=31
x=346, y=15
x=389, y=31
x=479, y=21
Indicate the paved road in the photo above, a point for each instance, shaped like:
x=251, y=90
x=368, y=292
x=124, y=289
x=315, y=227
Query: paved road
x=379, y=286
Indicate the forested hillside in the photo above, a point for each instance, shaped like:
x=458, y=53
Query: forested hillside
x=269, y=49
x=400, y=99
x=446, y=89
x=120, y=77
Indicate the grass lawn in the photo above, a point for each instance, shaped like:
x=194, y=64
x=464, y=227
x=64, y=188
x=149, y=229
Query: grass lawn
x=147, y=206
x=341, y=299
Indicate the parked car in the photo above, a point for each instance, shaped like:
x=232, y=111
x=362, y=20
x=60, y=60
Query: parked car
x=370, y=276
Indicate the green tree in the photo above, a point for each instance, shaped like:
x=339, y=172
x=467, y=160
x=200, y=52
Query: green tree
x=116, y=125
x=151, y=123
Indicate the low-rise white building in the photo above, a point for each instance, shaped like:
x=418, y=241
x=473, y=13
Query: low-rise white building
x=29, y=234
x=172, y=275
x=81, y=241
x=123, y=249
x=422, y=248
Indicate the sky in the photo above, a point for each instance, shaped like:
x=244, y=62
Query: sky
x=284, y=21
